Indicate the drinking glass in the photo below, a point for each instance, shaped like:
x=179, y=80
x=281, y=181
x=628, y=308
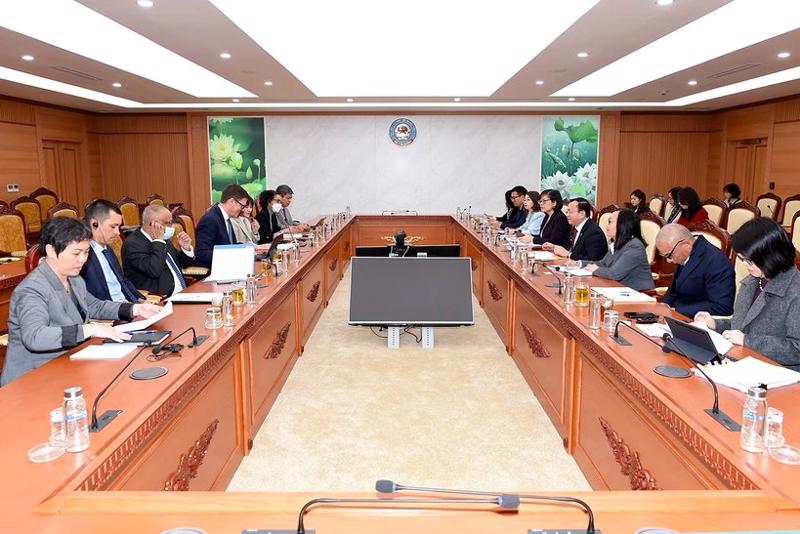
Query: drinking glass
x=595, y=311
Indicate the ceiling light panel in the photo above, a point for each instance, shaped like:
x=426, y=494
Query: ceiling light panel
x=101, y=39
x=774, y=78
x=736, y=25
x=39, y=82
x=422, y=48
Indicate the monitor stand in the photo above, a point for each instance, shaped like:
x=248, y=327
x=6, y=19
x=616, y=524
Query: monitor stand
x=393, y=339
x=427, y=337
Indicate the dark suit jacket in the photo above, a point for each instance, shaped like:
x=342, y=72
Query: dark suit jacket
x=92, y=274
x=591, y=244
x=268, y=226
x=706, y=283
x=555, y=231
x=513, y=219
x=210, y=231
x=146, y=263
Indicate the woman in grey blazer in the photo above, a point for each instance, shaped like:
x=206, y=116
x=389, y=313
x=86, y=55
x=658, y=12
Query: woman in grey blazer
x=626, y=259
x=50, y=308
x=766, y=314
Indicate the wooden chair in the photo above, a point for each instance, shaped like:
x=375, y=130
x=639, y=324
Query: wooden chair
x=791, y=206
x=184, y=216
x=604, y=214
x=63, y=209
x=178, y=229
x=131, y=217
x=47, y=199
x=740, y=214
x=795, y=231
x=156, y=199
x=32, y=211
x=651, y=224
x=740, y=270
x=668, y=209
x=717, y=210
x=714, y=234
x=116, y=246
x=12, y=232
x=770, y=205
x=657, y=205
x=32, y=258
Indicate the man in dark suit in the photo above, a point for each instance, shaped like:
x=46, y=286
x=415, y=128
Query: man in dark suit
x=704, y=279
x=516, y=216
x=285, y=220
x=102, y=273
x=587, y=240
x=151, y=261
x=215, y=226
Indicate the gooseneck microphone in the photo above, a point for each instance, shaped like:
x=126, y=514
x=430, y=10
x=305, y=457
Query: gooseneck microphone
x=387, y=486
x=715, y=413
x=555, y=270
x=170, y=347
x=109, y=415
x=505, y=502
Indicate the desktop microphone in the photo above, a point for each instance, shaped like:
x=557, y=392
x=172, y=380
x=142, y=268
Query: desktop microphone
x=387, y=486
x=555, y=270
x=177, y=347
x=715, y=413
x=109, y=415
x=505, y=502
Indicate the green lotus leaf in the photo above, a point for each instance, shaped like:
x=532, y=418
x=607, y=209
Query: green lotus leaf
x=223, y=174
x=236, y=160
x=254, y=189
x=249, y=173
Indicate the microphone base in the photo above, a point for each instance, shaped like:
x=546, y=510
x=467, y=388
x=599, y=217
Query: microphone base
x=553, y=285
x=290, y=531
x=200, y=340
x=620, y=341
x=672, y=371
x=562, y=531
x=103, y=420
x=723, y=419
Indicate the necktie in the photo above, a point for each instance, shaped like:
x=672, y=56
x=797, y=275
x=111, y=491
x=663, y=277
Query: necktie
x=174, y=267
x=572, y=235
x=230, y=232
x=115, y=268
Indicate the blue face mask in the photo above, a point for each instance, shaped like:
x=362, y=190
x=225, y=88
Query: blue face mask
x=169, y=231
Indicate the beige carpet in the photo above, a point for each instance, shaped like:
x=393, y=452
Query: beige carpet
x=353, y=411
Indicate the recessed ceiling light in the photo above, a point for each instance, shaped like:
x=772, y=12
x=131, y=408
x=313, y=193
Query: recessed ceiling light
x=145, y=3
x=456, y=99
x=692, y=82
x=664, y=2
x=349, y=99
x=235, y=100
x=268, y=82
x=122, y=49
x=572, y=99
x=583, y=54
x=329, y=58
x=28, y=57
x=734, y=26
x=225, y=55
x=784, y=55
x=116, y=84
x=539, y=82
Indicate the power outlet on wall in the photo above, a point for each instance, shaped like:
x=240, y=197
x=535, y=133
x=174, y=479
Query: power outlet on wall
x=12, y=188
x=771, y=186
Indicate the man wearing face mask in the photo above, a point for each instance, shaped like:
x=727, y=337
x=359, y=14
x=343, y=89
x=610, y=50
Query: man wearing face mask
x=151, y=261
x=101, y=272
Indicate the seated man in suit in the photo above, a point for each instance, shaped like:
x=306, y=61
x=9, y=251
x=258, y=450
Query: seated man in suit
x=101, y=272
x=587, y=240
x=215, y=227
x=284, y=217
x=151, y=262
x=516, y=215
x=704, y=279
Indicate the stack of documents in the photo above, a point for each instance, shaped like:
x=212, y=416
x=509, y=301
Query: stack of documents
x=107, y=351
x=659, y=329
x=749, y=372
x=623, y=295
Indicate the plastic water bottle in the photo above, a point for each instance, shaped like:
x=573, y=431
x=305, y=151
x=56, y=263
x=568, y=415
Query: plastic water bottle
x=754, y=415
x=569, y=289
x=75, y=421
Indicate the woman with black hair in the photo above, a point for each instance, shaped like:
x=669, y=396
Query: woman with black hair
x=692, y=211
x=626, y=260
x=731, y=194
x=675, y=212
x=766, y=315
x=639, y=202
x=555, y=226
x=270, y=205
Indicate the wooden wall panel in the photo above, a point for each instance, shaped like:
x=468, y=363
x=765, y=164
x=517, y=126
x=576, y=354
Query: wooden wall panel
x=661, y=122
x=749, y=123
x=198, y=157
x=787, y=110
x=110, y=124
x=95, y=167
x=785, y=164
x=608, y=158
x=139, y=165
x=17, y=112
x=713, y=182
x=19, y=159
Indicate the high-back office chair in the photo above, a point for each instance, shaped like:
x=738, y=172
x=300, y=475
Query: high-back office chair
x=604, y=215
x=770, y=205
x=716, y=210
x=184, y=216
x=740, y=214
x=13, y=232
x=32, y=211
x=740, y=271
x=46, y=198
x=156, y=199
x=657, y=205
x=63, y=209
x=791, y=206
x=650, y=224
x=714, y=235
x=130, y=212
x=795, y=231
x=32, y=258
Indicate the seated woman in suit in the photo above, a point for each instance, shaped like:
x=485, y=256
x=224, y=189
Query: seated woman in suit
x=766, y=314
x=245, y=228
x=626, y=260
x=555, y=226
x=731, y=194
x=50, y=309
x=534, y=215
x=639, y=201
x=675, y=212
x=692, y=211
x=270, y=203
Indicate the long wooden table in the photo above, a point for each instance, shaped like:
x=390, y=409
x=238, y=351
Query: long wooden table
x=628, y=428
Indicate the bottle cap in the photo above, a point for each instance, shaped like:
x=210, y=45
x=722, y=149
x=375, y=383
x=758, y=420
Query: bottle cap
x=757, y=392
x=73, y=393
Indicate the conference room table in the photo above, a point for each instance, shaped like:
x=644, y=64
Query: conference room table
x=162, y=462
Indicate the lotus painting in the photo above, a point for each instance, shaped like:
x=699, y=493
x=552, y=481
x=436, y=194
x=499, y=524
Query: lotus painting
x=237, y=154
x=569, y=155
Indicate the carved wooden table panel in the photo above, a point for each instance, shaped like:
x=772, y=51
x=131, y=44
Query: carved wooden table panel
x=312, y=297
x=332, y=266
x=477, y=270
x=496, y=298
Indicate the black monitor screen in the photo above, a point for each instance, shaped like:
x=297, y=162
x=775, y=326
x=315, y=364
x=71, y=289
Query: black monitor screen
x=411, y=291
x=445, y=251
x=377, y=252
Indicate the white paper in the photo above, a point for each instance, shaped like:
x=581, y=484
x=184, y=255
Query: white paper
x=232, y=262
x=144, y=323
x=623, y=294
x=749, y=372
x=541, y=255
x=579, y=272
x=194, y=297
x=720, y=343
x=654, y=329
x=105, y=351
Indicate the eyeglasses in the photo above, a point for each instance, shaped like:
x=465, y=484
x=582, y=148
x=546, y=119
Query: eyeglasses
x=671, y=252
x=748, y=261
x=246, y=204
x=514, y=197
x=543, y=200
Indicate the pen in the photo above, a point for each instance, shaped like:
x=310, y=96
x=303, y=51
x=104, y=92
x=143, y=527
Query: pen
x=143, y=332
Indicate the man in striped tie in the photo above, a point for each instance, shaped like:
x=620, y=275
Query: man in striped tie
x=149, y=258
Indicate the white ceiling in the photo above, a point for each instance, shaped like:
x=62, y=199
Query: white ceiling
x=198, y=32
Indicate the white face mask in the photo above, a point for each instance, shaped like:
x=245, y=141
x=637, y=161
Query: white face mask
x=277, y=208
x=169, y=231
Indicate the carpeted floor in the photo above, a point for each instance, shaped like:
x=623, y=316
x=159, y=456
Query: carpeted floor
x=353, y=411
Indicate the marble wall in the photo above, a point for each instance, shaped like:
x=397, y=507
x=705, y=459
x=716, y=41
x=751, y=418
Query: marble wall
x=456, y=160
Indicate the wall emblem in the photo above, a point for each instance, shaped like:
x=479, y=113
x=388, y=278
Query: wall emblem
x=402, y=132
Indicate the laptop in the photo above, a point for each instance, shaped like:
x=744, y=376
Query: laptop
x=692, y=341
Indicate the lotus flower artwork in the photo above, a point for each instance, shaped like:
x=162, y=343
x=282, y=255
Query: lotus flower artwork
x=569, y=155
x=236, y=151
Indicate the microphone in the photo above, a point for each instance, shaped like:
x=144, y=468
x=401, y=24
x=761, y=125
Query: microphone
x=506, y=502
x=623, y=341
x=177, y=347
x=109, y=415
x=555, y=270
x=715, y=413
x=387, y=486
